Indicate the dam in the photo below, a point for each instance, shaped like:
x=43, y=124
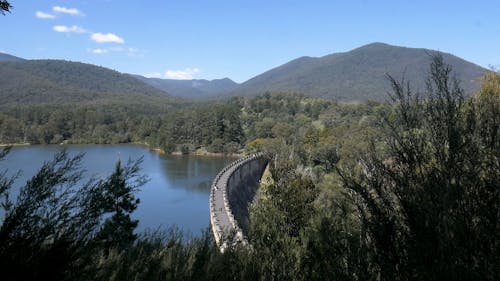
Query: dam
x=232, y=191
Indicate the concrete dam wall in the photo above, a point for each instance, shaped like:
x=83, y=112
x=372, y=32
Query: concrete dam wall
x=232, y=191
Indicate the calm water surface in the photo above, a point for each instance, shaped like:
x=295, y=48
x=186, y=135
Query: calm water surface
x=176, y=194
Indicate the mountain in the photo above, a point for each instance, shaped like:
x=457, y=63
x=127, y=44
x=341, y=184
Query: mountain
x=192, y=89
x=7, y=57
x=58, y=81
x=357, y=75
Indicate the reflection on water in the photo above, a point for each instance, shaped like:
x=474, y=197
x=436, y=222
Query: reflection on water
x=192, y=173
x=176, y=194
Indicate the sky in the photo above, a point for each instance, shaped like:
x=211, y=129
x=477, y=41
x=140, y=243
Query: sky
x=213, y=39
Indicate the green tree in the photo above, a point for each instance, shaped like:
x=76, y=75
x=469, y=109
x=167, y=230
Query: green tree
x=118, y=201
x=49, y=231
x=278, y=220
x=429, y=203
x=48, y=224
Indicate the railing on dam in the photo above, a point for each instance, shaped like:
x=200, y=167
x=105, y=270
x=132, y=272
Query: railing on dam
x=232, y=190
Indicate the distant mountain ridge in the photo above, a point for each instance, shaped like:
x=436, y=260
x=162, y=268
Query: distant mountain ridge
x=59, y=81
x=192, y=89
x=7, y=57
x=357, y=75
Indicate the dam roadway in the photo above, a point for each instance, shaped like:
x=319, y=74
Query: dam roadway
x=232, y=191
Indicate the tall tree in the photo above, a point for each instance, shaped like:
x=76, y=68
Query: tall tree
x=49, y=232
x=119, y=202
x=430, y=203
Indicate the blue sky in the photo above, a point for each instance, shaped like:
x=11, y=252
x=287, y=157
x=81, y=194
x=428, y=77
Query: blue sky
x=239, y=39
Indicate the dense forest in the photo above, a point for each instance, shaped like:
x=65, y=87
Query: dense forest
x=406, y=190
x=240, y=124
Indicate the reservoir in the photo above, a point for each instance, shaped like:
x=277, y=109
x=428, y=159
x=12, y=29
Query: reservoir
x=177, y=191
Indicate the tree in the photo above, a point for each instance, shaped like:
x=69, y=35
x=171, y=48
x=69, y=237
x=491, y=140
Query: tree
x=47, y=225
x=119, y=202
x=5, y=6
x=278, y=220
x=429, y=204
x=49, y=232
x=5, y=183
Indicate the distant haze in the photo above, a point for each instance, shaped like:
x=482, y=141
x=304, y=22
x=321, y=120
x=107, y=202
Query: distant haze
x=192, y=89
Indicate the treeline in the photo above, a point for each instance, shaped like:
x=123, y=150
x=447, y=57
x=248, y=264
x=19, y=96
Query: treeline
x=87, y=123
x=402, y=191
x=230, y=127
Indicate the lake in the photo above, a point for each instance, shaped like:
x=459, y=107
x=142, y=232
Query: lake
x=177, y=191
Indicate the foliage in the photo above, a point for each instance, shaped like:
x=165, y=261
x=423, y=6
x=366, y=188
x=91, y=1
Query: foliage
x=5, y=6
x=370, y=191
x=430, y=207
x=117, y=199
x=52, y=228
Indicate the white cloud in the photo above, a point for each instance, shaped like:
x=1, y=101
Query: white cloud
x=68, y=11
x=184, y=74
x=98, y=51
x=106, y=38
x=132, y=52
x=181, y=74
x=73, y=28
x=116, y=49
x=153, y=75
x=42, y=15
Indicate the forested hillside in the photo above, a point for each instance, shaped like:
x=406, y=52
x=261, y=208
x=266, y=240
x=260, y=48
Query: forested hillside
x=26, y=82
x=357, y=75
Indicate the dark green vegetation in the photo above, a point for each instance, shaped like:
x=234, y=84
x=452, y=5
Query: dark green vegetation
x=63, y=82
x=5, y=6
x=58, y=222
x=54, y=124
x=357, y=75
x=53, y=101
x=408, y=190
x=196, y=89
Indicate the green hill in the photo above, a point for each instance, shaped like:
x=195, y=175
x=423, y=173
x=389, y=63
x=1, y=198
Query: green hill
x=57, y=82
x=357, y=75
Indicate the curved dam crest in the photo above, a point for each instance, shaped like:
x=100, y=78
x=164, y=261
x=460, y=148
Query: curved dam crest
x=232, y=191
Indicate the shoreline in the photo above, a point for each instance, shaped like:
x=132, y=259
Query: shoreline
x=197, y=152
x=14, y=144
